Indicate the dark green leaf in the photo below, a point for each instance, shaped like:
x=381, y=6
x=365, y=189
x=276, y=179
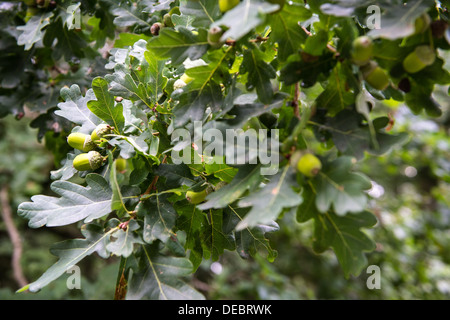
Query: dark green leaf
x=75, y=204
x=268, y=202
x=178, y=45
x=105, y=107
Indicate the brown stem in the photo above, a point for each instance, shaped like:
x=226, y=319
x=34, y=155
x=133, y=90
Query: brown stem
x=14, y=236
x=155, y=180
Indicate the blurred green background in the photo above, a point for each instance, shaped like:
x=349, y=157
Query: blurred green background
x=410, y=196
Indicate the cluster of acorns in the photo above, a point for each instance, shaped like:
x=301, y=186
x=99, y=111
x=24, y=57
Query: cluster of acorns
x=362, y=53
x=90, y=159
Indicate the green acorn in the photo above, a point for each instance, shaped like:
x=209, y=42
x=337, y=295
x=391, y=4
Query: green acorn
x=88, y=161
x=100, y=131
x=422, y=23
x=214, y=35
x=362, y=50
x=420, y=58
x=375, y=76
x=178, y=84
x=81, y=141
x=226, y=5
x=186, y=78
x=309, y=165
x=167, y=20
x=121, y=164
x=197, y=197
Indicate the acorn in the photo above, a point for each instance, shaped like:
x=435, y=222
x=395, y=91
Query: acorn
x=42, y=3
x=179, y=84
x=121, y=164
x=375, y=76
x=421, y=57
x=88, y=161
x=81, y=141
x=155, y=28
x=186, y=78
x=438, y=28
x=100, y=131
x=226, y=5
x=309, y=165
x=167, y=20
x=198, y=197
x=214, y=35
x=362, y=50
x=422, y=23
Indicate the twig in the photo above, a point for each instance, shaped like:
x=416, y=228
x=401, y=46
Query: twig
x=232, y=42
x=14, y=236
x=154, y=181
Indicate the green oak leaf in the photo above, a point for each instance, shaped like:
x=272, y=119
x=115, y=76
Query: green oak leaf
x=75, y=109
x=244, y=17
x=249, y=241
x=397, y=20
x=129, y=14
x=158, y=278
x=192, y=104
x=70, y=252
x=68, y=44
x=122, y=242
x=105, y=107
x=339, y=188
x=259, y=74
x=32, y=32
x=343, y=234
x=159, y=218
x=214, y=240
x=248, y=177
x=336, y=96
x=307, y=72
x=75, y=204
x=268, y=202
x=176, y=175
x=204, y=12
x=178, y=45
x=286, y=31
x=191, y=219
x=351, y=137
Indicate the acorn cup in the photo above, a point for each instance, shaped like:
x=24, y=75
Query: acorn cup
x=179, y=84
x=81, y=141
x=100, y=131
x=214, y=35
x=422, y=23
x=88, y=161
